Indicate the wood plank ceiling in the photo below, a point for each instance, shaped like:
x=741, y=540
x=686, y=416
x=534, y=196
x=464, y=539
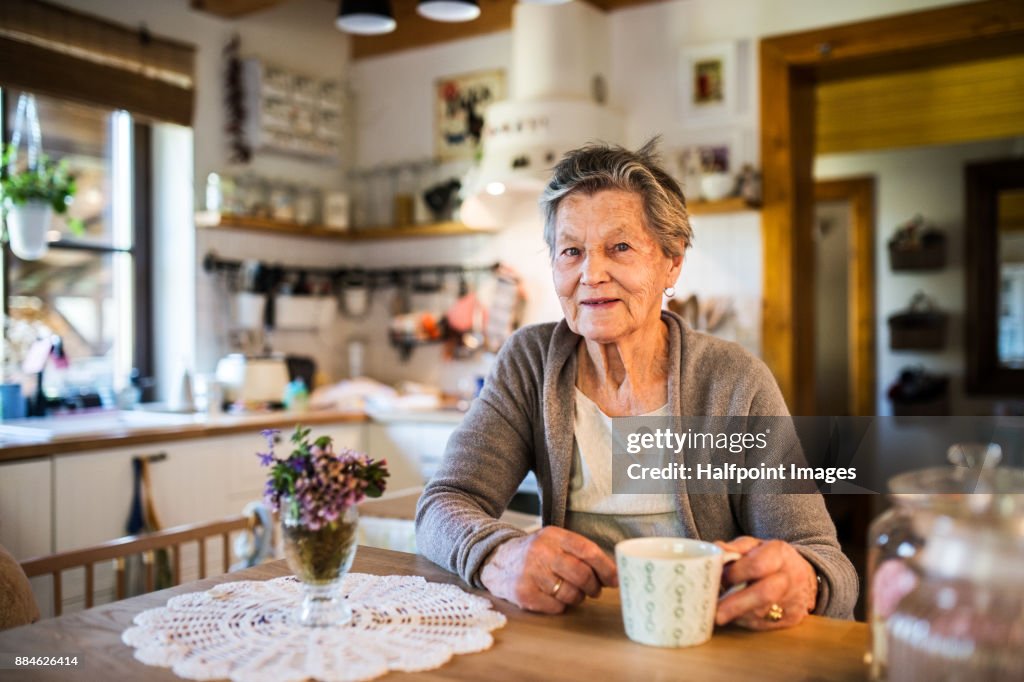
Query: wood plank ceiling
x=413, y=30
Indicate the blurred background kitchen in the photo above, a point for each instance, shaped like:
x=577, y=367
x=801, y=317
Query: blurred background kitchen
x=274, y=212
x=336, y=202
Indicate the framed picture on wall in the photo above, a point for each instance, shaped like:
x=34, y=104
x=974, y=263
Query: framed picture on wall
x=708, y=82
x=459, y=106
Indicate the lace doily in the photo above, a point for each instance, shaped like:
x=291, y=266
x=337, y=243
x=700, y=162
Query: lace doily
x=244, y=631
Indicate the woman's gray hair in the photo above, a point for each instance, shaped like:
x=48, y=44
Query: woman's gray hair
x=597, y=167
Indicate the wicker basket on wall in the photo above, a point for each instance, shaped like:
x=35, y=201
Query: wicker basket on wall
x=922, y=326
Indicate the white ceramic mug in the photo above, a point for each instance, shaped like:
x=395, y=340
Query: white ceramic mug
x=669, y=589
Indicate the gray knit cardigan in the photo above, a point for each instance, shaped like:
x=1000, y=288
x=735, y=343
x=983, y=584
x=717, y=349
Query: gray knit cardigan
x=523, y=420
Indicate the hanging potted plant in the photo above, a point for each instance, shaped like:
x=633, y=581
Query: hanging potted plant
x=31, y=196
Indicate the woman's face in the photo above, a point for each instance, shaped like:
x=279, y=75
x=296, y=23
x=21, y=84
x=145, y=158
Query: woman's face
x=609, y=272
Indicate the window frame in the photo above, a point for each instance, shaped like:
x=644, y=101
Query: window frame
x=141, y=251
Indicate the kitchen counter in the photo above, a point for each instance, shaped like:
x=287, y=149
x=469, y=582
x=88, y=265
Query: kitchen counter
x=27, y=439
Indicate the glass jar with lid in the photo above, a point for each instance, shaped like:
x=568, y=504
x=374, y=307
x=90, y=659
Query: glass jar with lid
x=899, y=534
x=964, y=619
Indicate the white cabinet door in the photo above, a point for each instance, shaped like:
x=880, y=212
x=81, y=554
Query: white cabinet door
x=26, y=517
x=94, y=490
x=403, y=445
x=93, y=493
x=432, y=439
x=26, y=508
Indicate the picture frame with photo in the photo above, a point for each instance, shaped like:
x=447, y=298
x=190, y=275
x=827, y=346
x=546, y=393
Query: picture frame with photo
x=459, y=104
x=709, y=81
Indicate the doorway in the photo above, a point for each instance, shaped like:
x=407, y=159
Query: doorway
x=844, y=308
x=792, y=67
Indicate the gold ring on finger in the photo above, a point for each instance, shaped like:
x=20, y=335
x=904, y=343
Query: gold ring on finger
x=774, y=614
x=556, y=588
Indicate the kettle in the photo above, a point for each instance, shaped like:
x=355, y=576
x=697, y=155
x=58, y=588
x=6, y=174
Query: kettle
x=253, y=378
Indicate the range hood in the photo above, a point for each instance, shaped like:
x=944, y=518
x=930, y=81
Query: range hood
x=558, y=86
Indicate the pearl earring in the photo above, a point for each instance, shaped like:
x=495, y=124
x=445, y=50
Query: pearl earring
x=670, y=291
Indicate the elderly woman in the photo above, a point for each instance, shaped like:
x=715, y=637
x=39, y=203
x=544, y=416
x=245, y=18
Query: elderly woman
x=617, y=229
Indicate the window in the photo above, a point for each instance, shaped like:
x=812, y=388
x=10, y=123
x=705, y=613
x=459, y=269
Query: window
x=91, y=289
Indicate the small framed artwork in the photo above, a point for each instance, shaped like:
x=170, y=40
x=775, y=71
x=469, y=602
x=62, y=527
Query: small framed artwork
x=459, y=105
x=709, y=81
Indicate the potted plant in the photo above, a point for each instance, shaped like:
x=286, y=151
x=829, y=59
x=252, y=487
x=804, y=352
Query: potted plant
x=31, y=195
x=316, y=490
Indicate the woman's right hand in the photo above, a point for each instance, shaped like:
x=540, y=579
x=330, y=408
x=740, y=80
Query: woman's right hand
x=548, y=570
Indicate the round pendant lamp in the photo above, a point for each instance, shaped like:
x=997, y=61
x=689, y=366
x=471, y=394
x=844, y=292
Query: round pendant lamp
x=365, y=17
x=448, y=10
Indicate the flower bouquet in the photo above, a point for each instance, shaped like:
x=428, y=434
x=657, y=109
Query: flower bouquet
x=316, y=490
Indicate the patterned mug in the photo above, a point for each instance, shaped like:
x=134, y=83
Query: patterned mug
x=669, y=589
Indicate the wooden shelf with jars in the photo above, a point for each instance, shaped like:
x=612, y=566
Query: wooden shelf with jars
x=728, y=205
x=212, y=220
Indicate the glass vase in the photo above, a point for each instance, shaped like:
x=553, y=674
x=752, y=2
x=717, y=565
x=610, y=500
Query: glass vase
x=320, y=558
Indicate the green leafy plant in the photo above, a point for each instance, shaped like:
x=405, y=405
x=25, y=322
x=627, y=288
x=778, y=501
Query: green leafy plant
x=49, y=182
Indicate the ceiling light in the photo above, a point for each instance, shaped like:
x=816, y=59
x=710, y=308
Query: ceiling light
x=448, y=10
x=365, y=17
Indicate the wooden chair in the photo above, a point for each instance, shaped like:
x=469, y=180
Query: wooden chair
x=147, y=545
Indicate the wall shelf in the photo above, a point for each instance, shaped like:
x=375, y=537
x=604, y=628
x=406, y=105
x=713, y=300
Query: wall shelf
x=211, y=220
x=729, y=205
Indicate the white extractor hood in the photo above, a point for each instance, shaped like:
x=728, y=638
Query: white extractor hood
x=560, y=64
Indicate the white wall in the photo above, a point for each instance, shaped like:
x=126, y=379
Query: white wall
x=929, y=181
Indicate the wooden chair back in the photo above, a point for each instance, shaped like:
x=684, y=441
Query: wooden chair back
x=147, y=545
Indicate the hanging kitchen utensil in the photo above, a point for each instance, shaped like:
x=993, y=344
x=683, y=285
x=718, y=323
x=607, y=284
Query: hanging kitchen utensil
x=355, y=293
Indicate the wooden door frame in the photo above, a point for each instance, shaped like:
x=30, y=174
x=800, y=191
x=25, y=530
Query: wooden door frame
x=860, y=193
x=791, y=66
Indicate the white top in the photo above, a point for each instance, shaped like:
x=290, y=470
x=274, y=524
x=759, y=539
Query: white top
x=590, y=487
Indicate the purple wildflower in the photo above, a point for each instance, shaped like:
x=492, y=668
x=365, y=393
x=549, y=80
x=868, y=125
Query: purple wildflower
x=320, y=483
x=271, y=436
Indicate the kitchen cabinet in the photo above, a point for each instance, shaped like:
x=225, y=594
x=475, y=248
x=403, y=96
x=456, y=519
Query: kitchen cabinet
x=26, y=516
x=93, y=494
x=25, y=508
x=412, y=450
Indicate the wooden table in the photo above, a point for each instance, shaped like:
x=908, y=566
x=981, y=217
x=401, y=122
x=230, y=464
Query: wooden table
x=587, y=643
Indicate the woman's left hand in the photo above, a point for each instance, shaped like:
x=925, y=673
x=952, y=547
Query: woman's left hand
x=776, y=576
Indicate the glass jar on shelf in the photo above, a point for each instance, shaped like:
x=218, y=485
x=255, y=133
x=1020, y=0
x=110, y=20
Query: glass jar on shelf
x=255, y=193
x=282, y=202
x=897, y=536
x=361, y=199
x=383, y=195
x=405, y=196
x=229, y=195
x=307, y=205
x=964, y=619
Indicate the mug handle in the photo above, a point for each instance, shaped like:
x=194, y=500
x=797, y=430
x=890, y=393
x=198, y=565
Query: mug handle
x=728, y=557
